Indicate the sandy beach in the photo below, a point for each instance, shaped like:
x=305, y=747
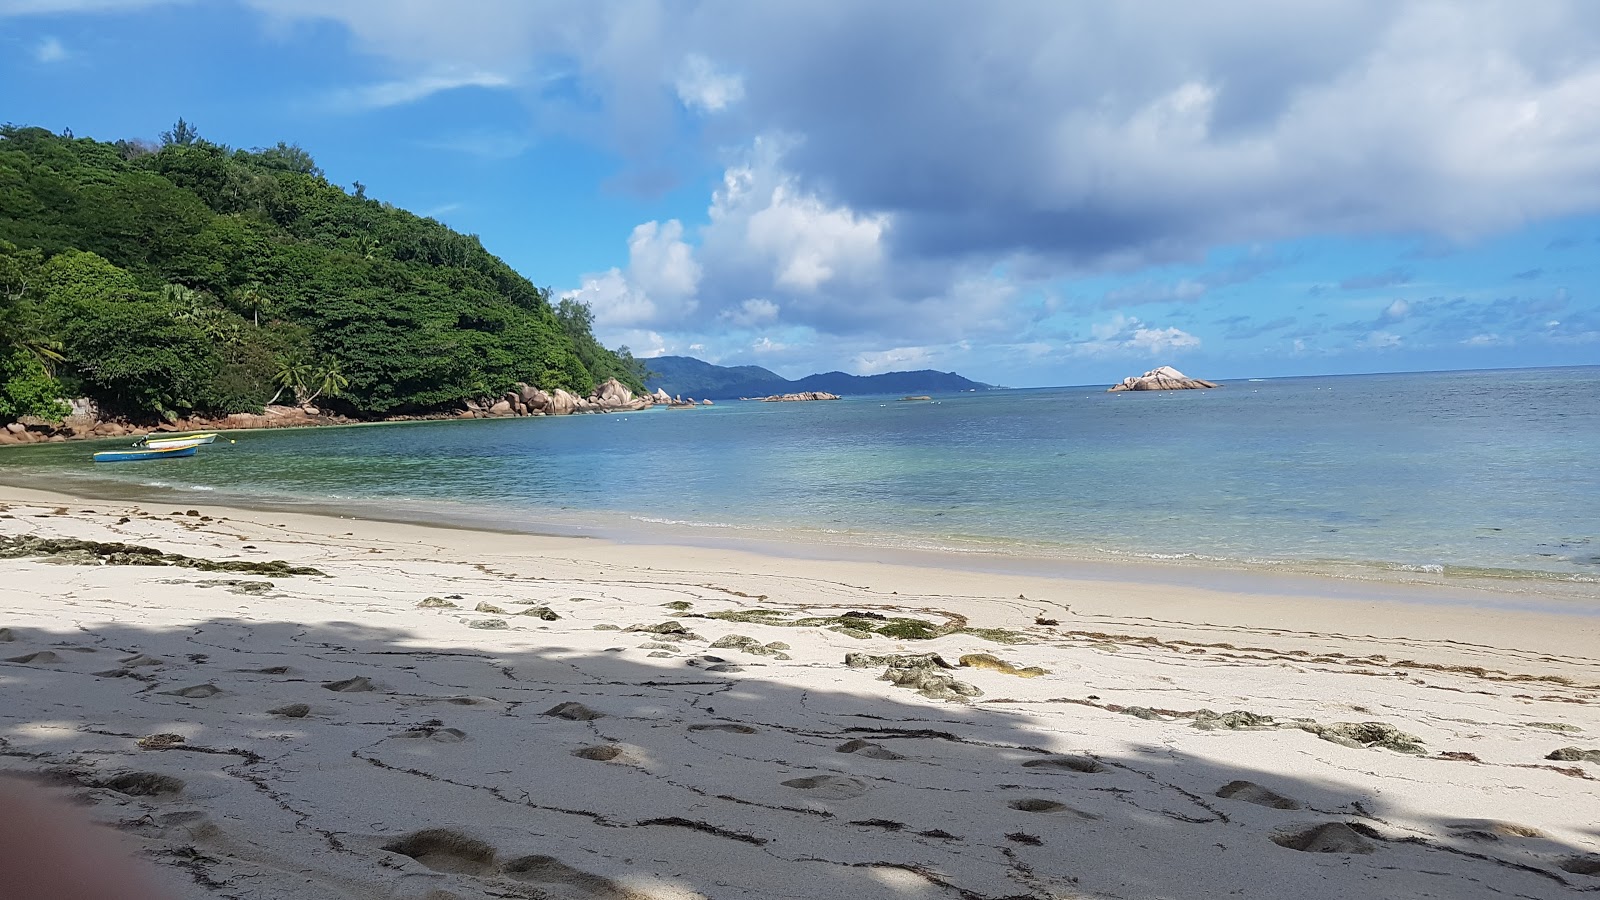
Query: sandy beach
x=436, y=713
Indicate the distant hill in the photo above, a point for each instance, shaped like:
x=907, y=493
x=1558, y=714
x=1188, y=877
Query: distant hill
x=690, y=377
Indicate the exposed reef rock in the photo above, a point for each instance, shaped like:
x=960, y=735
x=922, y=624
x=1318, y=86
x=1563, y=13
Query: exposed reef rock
x=92, y=553
x=1165, y=378
x=996, y=664
x=921, y=672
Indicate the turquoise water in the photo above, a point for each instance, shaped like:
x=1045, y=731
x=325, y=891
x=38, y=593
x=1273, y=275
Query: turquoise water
x=1495, y=474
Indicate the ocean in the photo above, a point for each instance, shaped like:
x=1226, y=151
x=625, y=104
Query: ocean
x=1490, y=475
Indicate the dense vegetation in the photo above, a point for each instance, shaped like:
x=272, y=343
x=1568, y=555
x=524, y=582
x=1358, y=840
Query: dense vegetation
x=690, y=377
x=188, y=277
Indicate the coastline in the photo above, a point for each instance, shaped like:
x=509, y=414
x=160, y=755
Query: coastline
x=1429, y=585
x=445, y=746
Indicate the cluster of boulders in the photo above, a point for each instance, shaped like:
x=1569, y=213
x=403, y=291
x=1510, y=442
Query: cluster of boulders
x=804, y=395
x=1165, y=378
x=84, y=421
x=611, y=396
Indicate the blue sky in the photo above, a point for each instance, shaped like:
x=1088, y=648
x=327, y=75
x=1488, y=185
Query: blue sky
x=1028, y=193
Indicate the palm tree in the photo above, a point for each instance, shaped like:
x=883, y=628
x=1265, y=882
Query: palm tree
x=331, y=381
x=294, y=372
x=253, y=300
x=46, y=351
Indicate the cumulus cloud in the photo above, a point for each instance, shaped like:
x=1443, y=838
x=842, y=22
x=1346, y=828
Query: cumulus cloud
x=657, y=288
x=1123, y=335
x=1399, y=309
x=940, y=168
x=702, y=86
x=659, y=260
x=1092, y=134
x=806, y=240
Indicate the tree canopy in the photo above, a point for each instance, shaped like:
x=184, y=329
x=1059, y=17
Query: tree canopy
x=189, y=277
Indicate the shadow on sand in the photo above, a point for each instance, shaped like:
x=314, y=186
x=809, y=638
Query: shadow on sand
x=279, y=760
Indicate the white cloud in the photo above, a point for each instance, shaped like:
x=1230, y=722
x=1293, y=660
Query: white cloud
x=409, y=90
x=1123, y=335
x=615, y=301
x=807, y=242
x=755, y=311
x=657, y=289
x=768, y=345
x=701, y=86
x=899, y=358
x=1485, y=340
x=660, y=262
x=50, y=50
x=1399, y=309
x=1380, y=340
x=1153, y=341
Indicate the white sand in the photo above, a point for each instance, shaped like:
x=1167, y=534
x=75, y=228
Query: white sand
x=724, y=779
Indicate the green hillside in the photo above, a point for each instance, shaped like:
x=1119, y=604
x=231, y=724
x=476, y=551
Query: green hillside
x=190, y=277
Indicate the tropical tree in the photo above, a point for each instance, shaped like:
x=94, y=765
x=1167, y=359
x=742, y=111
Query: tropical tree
x=329, y=380
x=183, y=134
x=252, y=299
x=294, y=373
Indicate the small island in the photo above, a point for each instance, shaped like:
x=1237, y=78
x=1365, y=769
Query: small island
x=1164, y=378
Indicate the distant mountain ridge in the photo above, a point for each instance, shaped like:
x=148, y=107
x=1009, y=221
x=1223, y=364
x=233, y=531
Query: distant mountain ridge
x=690, y=377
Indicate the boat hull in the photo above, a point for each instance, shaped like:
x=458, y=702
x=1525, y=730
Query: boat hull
x=166, y=441
x=141, y=455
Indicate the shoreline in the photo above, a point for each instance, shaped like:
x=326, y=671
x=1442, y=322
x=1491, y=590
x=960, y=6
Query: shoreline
x=1252, y=598
x=431, y=712
x=1548, y=591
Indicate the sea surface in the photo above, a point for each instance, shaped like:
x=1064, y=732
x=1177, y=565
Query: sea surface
x=1489, y=475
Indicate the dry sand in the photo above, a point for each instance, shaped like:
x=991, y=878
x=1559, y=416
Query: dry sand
x=342, y=735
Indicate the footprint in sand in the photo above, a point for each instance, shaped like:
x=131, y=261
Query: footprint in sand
x=7, y=635
x=1250, y=792
x=291, y=711
x=351, y=685
x=867, y=749
x=141, y=659
x=578, y=884
x=573, y=712
x=729, y=727
x=441, y=735
x=195, y=691
x=602, y=753
x=269, y=670
x=143, y=784
x=1588, y=864
x=1082, y=764
x=39, y=658
x=829, y=787
x=1037, y=805
x=1329, y=837
x=1491, y=830
x=444, y=850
